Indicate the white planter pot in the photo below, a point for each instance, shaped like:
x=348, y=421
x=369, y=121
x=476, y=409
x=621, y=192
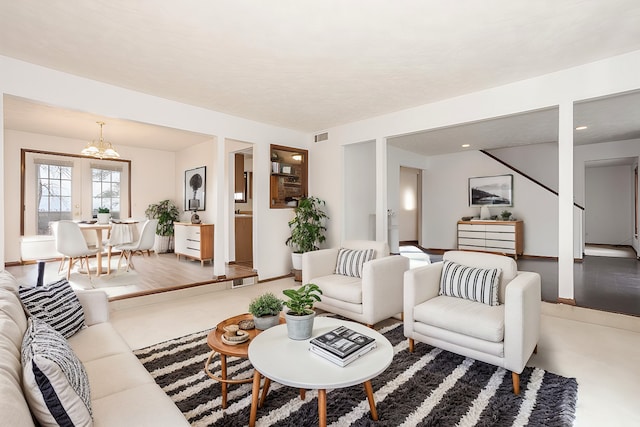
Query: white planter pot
x=296, y=259
x=265, y=322
x=103, y=218
x=299, y=327
x=163, y=244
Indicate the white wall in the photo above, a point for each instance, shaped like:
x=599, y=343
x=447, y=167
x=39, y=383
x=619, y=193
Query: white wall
x=55, y=88
x=609, y=205
x=360, y=191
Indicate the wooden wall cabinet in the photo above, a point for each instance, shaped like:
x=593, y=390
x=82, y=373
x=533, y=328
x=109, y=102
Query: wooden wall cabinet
x=194, y=241
x=504, y=237
x=289, y=171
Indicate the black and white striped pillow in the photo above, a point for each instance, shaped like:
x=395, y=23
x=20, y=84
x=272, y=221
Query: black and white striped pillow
x=475, y=284
x=351, y=261
x=55, y=381
x=56, y=304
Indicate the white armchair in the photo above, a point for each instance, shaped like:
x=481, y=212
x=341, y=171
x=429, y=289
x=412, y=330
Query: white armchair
x=503, y=335
x=376, y=296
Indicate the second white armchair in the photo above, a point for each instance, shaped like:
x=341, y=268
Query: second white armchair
x=374, y=296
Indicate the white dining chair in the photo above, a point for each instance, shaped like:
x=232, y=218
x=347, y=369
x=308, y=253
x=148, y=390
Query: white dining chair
x=70, y=243
x=144, y=243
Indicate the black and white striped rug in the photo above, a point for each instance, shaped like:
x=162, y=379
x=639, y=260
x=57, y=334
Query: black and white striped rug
x=429, y=387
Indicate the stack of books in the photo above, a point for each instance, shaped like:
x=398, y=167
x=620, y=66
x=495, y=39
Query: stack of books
x=342, y=345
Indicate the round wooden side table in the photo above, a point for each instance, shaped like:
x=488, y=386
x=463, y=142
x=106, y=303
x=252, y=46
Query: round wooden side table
x=219, y=347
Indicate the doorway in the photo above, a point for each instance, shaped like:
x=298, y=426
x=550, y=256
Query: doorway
x=610, y=214
x=409, y=212
x=243, y=207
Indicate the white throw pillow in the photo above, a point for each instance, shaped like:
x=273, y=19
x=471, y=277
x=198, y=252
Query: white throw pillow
x=475, y=284
x=351, y=261
x=55, y=382
x=56, y=304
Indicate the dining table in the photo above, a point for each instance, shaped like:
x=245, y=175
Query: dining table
x=118, y=233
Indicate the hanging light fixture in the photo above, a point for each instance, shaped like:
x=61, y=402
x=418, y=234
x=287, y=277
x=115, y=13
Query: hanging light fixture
x=101, y=149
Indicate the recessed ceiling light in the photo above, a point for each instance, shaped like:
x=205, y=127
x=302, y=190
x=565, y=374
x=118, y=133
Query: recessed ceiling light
x=466, y=145
x=581, y=128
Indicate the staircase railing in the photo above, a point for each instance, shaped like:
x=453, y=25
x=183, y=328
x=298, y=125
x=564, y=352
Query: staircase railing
x=519, y=172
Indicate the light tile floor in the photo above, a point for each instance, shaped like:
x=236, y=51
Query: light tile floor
x=604, y=359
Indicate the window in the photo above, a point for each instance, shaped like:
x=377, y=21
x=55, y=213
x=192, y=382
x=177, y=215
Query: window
x=53, y=193
x=105, y=189
x=59, y=186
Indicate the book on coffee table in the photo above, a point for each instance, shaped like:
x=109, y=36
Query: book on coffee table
x=342, y=342
x=342, y=361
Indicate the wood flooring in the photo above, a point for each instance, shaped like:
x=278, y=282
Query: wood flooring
x=156, y=273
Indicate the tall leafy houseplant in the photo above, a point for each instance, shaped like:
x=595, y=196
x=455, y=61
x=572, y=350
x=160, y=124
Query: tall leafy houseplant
x=166, y=213
x=307, y=228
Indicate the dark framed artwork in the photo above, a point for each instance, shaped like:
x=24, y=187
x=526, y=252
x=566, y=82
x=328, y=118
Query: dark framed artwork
x=491, y=190
x=194, y=185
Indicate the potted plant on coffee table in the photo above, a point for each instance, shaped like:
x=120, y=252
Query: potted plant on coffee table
x=300, y=314
x=266, y=310
x=307, y=228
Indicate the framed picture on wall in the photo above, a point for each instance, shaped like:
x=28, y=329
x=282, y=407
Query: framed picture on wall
x=194, y=186
x=491, y=190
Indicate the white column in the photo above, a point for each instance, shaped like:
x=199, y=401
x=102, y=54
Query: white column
x=565, y=201
x=221, y=204
x=381, y=189
x=2, y=233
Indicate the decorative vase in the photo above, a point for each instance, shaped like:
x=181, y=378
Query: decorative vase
x=485, y=213
x=299, y=327
x=103, y=218
x=265, y=322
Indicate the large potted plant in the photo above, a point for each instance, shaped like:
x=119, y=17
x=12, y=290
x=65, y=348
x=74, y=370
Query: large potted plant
x=266, y=310
x=166, y=213
x=307, y=228
x=300, y=314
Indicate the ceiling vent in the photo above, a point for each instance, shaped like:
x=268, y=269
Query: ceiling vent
x=321, y=137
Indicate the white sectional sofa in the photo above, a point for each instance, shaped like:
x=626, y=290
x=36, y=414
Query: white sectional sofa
x=123, y=393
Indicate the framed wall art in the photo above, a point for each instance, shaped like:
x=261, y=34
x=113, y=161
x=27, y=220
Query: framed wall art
x=491, y=190
x=194, y=186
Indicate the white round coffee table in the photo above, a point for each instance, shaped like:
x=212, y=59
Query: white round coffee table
x=289, y=362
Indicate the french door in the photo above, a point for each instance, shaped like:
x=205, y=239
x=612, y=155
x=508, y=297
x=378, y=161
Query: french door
x=63, y=187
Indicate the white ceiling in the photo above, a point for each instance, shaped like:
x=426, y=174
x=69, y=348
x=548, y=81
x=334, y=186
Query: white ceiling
x=303, y=64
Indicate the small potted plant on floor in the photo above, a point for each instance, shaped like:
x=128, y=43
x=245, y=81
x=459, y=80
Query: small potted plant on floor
x=300, y=312
x=103, y=215
x=266, y=310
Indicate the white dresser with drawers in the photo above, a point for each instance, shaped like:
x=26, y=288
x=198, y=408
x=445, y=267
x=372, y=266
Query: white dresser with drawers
x=505, y=237
x=194, y=241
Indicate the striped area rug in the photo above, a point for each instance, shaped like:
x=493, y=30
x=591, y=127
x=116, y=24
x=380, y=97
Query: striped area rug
x=427, y=387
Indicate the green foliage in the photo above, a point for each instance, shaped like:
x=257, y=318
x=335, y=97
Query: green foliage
x=307, y=227
x=103, y=210
x=505, y=215
x=166, y=213
x=265, y=305
x=301, y=300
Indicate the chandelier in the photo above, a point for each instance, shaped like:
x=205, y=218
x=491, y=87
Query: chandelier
x=101, y=149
